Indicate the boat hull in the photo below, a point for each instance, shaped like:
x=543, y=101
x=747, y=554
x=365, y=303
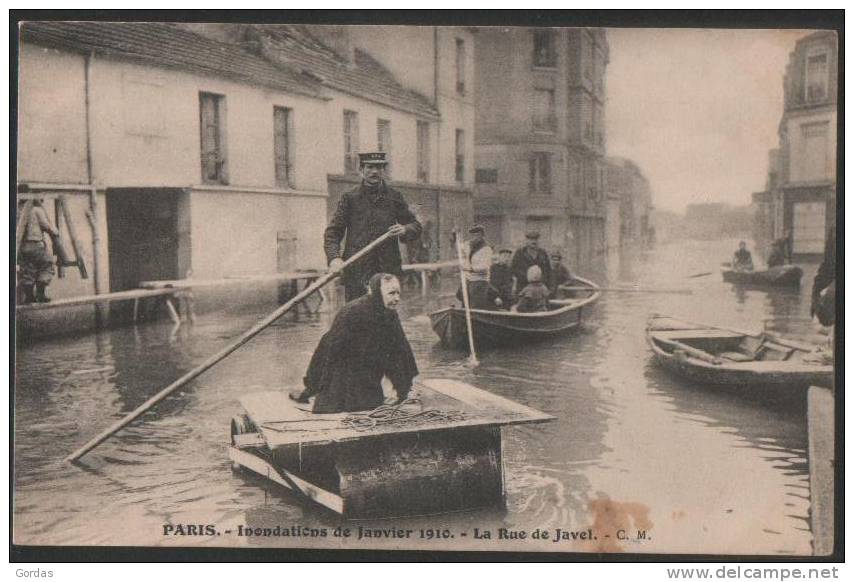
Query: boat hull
x=495, y=328
x=785, y=276
x=718, y=371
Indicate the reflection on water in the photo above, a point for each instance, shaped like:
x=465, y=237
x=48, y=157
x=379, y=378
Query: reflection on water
x=703, y=470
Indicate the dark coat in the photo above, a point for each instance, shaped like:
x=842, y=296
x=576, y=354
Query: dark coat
x=363, y=215
x=825, y=307
x=501, y=279
x=365, y=343
x=522, y=261
x=560, y=276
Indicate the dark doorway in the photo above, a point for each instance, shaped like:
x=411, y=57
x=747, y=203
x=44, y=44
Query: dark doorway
x=148, y=235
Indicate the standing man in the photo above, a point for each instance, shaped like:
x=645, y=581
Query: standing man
x=363, y=215
x=36, y=265
x=477, y=260
x=526, y=257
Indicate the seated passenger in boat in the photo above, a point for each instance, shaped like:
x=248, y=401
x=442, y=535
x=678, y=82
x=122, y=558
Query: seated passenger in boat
x=365, y=343
x=535, y=295
x=560, y=275
x=777, y=258
x=742, y=260
x=501, y=278
x=477, y=261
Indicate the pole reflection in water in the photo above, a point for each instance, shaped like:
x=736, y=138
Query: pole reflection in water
x=700, y=470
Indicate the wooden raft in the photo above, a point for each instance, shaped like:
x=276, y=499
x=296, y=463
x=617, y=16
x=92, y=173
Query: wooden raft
x=387, y=470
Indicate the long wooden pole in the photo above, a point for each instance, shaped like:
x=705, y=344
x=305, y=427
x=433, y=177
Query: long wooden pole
x=464, y=286
x=628, y=290
x=219, y=356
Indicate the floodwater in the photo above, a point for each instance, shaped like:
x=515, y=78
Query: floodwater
x=697, y=469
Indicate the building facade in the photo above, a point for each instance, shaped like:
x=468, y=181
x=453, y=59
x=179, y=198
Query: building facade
x=540, y=143
x=629, y=202
x=217, y=156
x=801, y=197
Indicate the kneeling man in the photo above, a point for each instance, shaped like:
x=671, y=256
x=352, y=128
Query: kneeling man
x=365, y=343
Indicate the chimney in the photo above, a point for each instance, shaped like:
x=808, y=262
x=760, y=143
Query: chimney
x=338, y=38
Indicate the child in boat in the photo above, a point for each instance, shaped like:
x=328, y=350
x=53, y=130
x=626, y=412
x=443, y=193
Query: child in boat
x=742, y=260
x=535, y=295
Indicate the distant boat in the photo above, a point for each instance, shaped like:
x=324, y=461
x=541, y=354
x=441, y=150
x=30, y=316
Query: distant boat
x=713, y=355
x=508, y=327
x=782, y=276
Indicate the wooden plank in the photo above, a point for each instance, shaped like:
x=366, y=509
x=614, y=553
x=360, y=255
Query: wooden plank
x=265, y=469
x=283, y=422
x=478, y=398
x=75, y=242
x=820, y=427
x=103, y=298
x=248, y=440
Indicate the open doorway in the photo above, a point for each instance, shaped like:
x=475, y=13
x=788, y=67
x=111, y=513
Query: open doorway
x=148, y=236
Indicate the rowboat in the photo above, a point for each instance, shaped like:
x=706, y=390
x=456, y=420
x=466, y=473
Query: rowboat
x=782, y=276
x=713, y=355
x=438, y=452
x=504, y=327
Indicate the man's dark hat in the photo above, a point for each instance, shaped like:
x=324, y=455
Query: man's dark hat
x=477, y=228
x=532, y=234
x=373, y=158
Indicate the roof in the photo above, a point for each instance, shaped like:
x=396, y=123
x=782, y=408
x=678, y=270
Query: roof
x=363, y=77
x=169, y=46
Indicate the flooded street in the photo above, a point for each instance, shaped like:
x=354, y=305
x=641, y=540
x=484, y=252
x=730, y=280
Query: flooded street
x=699, y=469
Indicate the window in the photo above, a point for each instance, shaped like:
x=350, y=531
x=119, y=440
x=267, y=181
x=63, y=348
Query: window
x=813, y=156
x=461, y=66
x=422, y=153
x=587, y=114
x=544, y=110
x=540, y=173
x=544, y=49
x=460, y=150
x=486, y=175
x=213, y=152
x=816, y=77
x=587, y=56
x=351, y=141
x=384, y=142
x=283, y=147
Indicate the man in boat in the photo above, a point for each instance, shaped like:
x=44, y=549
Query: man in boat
x=365, y=343
x=527, y=256
x=36, y=264
x=477, y=261
x=363, y=215
x=535, y=295
x=501, y=278
x=742, y=260
x=560, y=274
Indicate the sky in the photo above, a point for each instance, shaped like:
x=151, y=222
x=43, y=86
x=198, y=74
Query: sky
x=697, y=109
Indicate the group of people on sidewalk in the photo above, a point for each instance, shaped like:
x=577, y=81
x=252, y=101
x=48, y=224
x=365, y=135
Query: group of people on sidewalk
x=523, y=281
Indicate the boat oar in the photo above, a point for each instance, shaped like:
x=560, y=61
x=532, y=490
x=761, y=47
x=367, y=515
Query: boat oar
x=219, y=356
x=628, y=290
x=703, y=274
x=464, y=286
